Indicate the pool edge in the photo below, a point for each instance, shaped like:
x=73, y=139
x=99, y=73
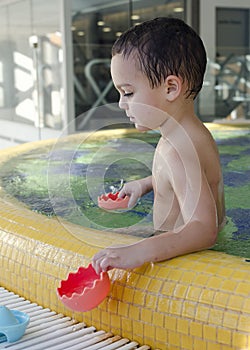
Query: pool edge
x=197, y=301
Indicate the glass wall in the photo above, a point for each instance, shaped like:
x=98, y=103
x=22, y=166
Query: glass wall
x=95, y=27
x=232, y=85
x=30, y=66
x=225, y=96
x=38, y=41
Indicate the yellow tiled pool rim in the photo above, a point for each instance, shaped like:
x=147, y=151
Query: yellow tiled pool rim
x=199, y=301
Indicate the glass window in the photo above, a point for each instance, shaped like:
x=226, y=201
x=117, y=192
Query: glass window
x=95, y=27
x=30, y=71
x=225, y=96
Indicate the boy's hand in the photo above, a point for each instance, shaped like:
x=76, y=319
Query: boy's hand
x=135, y=190
x=123, y=257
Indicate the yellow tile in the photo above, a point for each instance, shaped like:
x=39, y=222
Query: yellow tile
x=20, y=258
x=151, y=301
x=118, y=291
x=175, y=275
x=212, y=269
x=155, y=285
x=231, y=320
x=202, y=313
x=105, y=318
x=14, y=253
x=196, y=329
x=168, y=288
x=134, y=312
x=201, y=280
x=128, y=295
x=240, y=275
x=243, y=288
x=162, y=272
x=149, y=331
x=225, y=272
x=209, y=332
x=158, y=319
x=17, y=268
x=183, y=326
x=138, y=338
x=170, y=323
x=188, y=277
x=229, y=285
x=189, y=309
x=207, y=296
x=200, y=344
x=143, y=282
x=244, y=323
x=11, y=265
x=187, y=342
x=139, y=298
x=175, y=307
x=224, y=336
x=216, y=316
x=213, y=346
x=236, y=302
x=226, y=347
x=239, y=340
x=193, y=293
x=137, y=327
x=115, y=321
x=15, y=280
x=50, y=283
x=214, y=282
x=180, y=291
x=146, y=315
x=163, y=304
x=40, y=266
x=127, y=326
x=200, y=266
x=161, y=335
x=123, y=309
x=221, y=299
x=174, y=338
x=246, y=306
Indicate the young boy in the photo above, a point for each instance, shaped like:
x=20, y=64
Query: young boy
x=158, y=69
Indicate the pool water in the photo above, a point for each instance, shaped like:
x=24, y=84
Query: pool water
x=65, y=181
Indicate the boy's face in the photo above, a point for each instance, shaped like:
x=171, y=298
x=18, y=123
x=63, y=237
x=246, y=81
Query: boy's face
x=144, y=106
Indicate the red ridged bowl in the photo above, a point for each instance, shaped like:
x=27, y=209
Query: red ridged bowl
x=110, y=201
x=84, y=290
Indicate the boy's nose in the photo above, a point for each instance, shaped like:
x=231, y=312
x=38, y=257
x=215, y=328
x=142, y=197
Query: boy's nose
x=123, y=104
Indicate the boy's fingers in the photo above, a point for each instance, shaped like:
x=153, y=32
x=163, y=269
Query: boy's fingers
x=122, y=193
x=132, y=201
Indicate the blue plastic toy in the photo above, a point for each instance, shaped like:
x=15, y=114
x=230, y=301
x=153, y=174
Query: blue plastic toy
x=13, y=324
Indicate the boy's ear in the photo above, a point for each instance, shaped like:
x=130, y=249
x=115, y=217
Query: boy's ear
x=173, y=86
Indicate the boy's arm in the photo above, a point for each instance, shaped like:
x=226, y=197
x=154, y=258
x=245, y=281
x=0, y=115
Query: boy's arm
x=199, y=232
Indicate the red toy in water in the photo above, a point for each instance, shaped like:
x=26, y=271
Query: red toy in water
x=111, y=201
x=84, y=290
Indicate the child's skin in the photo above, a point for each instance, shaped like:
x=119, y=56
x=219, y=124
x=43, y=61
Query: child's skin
x=186, y=175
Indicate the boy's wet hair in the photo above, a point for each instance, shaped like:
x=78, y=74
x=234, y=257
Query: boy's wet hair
x=165, y=46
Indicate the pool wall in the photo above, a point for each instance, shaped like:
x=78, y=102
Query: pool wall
x=198, y=301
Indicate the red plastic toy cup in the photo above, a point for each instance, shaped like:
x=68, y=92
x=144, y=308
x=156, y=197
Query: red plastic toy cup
x=111, y=201
x=84, y=290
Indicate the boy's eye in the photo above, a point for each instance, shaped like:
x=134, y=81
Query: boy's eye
x=127, y=94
